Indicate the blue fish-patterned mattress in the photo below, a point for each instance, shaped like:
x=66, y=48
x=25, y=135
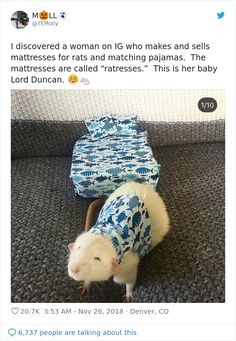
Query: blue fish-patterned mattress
x=100, y=166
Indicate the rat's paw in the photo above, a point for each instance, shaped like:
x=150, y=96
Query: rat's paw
x=84, y=288
x=128, y=297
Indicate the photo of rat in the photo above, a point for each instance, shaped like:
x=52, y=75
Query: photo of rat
x=131, y=223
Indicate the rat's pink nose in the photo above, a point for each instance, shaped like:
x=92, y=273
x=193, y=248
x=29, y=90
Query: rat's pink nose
x=74, y=268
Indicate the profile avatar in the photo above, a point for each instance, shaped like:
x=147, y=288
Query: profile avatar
x=19, y=19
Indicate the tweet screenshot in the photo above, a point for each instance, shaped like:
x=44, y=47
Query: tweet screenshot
x=117, y=170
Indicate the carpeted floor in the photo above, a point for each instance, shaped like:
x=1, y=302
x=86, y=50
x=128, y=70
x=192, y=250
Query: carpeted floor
x=188, y=266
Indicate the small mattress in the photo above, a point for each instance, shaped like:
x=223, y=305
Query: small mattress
x=100, y=166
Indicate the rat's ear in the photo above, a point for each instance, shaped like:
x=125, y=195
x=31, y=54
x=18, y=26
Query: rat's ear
x=71, y=246
x=115, y=266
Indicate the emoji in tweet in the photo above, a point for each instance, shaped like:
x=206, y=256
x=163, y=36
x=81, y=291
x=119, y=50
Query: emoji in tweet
x=43, y=15
x=73, y=78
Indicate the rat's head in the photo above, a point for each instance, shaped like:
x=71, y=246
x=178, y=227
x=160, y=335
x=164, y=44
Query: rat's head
x=92, y=258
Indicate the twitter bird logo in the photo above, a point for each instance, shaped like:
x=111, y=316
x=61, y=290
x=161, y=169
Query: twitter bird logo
x=220, y=15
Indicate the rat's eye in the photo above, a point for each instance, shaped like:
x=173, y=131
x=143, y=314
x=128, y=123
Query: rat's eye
x=78, y=247
x=97, y=258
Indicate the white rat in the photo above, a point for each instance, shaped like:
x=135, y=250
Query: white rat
x=132, y=221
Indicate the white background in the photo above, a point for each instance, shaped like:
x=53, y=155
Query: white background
x=132, y=20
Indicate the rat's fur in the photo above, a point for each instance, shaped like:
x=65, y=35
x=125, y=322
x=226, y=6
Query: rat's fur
x=93, y=258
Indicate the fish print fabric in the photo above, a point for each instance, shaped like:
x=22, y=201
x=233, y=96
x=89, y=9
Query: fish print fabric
x=101, y=127
x=125, y=222
x=108, y=125
x=126, y=125
x=100, y=166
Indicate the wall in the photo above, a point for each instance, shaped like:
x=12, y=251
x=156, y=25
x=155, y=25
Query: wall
x=149, y=105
